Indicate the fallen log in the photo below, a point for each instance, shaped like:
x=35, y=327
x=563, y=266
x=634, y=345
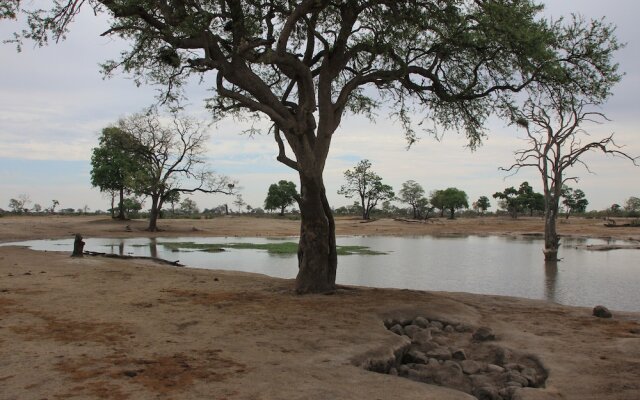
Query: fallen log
x=123, y=257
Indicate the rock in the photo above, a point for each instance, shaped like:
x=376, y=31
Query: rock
x=534, y=394
x=483, y=334
x=532, y=377
x=458, y=354
x=421, y=322
x=449, y=329
x=397, y=329
x=508, y=391
x=440, y=353
x=471, y=367
x=494, y=368
x=411, y=330
x=441, y=340
x=415, y=356
x=514, y=367
x=514, y=376
x=462, y=327
x=486, y=393
x=436, y=325
x=393, y=372
x=422, y=337
x=602, y=312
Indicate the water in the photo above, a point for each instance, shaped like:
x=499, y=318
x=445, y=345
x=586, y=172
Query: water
x=475, y=264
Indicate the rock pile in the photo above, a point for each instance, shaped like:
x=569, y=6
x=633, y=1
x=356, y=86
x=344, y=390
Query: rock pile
x=464, y=358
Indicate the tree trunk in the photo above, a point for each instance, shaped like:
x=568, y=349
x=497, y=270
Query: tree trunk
x=317, y=256
x=153, y=214
x=121, y=205
x=452, y=211
x=551, y=239
x=78, y=246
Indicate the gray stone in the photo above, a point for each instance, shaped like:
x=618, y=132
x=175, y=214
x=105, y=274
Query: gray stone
x=531, y=376
x=393, y=372
x=471, y=367
x=422, y=337
x=440, y=353
x=483, y=334
x=480, y=380
x=421, y=322
x=415, y=356
x=449, y=329
x=514, y=367
x=441, y=340
x=486, y=393
x=397, y=329
x=459, y=354
x=462, y=327
x=602, y=312
x=508, y=391
x=411, y=330
x=436, y=325
x=494, y=368
x=515, y=376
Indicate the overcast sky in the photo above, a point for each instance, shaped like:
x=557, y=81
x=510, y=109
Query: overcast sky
x=54, y=103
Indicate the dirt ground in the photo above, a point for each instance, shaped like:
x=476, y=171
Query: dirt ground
x=98, y=328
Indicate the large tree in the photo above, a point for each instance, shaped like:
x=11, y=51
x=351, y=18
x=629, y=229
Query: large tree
x=303, y=64
x=574, y=200
x=281, y=195
x=557, y=140
x=367, y=186
x=171, y=160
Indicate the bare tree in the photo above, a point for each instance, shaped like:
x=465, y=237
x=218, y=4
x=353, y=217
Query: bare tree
x=172, y=160
x=556, y=139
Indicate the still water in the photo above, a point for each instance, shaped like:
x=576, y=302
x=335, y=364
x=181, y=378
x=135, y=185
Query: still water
x=476, y=264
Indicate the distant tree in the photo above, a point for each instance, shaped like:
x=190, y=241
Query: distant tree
x=20, y=205
x=482, y=204
x=173, y=198
x=573, y=200
x=413, y=194
x=367, y=185
x=454, y=199
x=632, y=204
x=615, y=208
x=37, y=208
x=437, y=201
x=115, y=163
x=54, y=204
x=530, y=200
x=239, y=202
x=131, y=206
x=189, y=207
x=280, y=196
x=171, y=160
x=511, y=199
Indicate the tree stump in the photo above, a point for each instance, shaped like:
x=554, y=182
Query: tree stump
x=78, y=246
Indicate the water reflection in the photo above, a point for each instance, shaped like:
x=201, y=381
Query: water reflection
x=550, y=280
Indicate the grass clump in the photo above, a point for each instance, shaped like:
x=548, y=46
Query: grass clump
x=280, y=248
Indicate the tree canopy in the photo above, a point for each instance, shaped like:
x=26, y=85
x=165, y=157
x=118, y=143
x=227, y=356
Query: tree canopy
x=281, y=195
x=413, y=194
x=367, y=186
x=453, y=199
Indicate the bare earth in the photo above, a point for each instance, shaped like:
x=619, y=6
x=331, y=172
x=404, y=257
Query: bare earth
x=98, y=328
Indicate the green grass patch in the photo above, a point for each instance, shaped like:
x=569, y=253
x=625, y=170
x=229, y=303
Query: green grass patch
x=282, y=248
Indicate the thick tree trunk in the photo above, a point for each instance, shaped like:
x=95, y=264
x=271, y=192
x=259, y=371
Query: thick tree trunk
x=78, y=246
x=317, y=257
x=551, y=239
x=121, y=205
x=153, y=214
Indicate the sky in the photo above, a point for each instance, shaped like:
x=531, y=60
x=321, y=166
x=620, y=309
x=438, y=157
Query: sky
x=54, y=102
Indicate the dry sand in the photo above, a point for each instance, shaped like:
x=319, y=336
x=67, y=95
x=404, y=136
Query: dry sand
x=97, y=328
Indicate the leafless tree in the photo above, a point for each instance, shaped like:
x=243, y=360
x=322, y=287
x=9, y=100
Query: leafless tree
x=557, y=140
x=173, y=161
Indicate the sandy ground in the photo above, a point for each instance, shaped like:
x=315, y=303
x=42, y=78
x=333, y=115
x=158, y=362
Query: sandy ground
x=97, y=328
